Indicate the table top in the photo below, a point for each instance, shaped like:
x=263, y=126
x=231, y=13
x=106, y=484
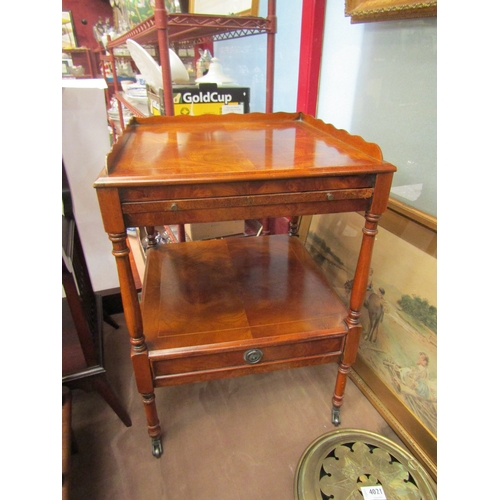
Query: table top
x=226, y=148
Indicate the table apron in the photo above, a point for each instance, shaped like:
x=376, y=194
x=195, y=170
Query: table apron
x=244, y=188
x=159, y=213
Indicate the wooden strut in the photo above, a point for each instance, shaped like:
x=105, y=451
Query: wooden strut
x=161, y=23
x=130, y=300
x=138, y=351
x=356, y=303
x=154, y=429
x=115, y=80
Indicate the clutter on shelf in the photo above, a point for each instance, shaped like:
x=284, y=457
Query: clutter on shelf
x=215, y=74
x=113, y=112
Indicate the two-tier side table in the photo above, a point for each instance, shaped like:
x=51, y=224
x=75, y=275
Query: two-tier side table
x=237, y=306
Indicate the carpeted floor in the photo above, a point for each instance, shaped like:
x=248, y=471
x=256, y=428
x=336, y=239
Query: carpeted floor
x=238, y=439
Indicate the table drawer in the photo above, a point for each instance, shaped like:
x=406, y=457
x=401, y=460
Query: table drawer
x=244, y=188
x=179, y=205
x=205, y=361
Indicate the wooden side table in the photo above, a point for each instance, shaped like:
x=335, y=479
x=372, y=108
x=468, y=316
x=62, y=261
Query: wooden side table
x=223, y=308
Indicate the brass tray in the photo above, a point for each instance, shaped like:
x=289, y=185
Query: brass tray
x=338, y=464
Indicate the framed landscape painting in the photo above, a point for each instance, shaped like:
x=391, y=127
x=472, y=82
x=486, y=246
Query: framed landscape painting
x=396, y=366
x=68, y=31
x=364, y=11
x=225, y=7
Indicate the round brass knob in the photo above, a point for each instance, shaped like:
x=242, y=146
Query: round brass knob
x=253, y=356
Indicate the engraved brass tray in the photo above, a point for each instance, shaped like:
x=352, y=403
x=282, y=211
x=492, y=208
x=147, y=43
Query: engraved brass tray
x=338, y=464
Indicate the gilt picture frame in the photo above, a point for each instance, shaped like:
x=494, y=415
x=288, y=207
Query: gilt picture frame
x=225, y=7
x=396, y=366
x=365, y=11
x=68, y=31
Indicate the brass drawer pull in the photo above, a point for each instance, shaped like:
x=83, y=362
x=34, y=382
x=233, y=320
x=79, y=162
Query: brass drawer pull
x=174, y=207
x=329, y=196
x=253, y=356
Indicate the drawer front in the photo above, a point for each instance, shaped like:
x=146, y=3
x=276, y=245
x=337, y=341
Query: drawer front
x=246, y=201
x=205, y=362
x=178, y=211
x=249, y=188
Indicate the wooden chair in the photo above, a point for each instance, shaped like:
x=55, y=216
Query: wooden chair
x=82, y=316
x=66, y=441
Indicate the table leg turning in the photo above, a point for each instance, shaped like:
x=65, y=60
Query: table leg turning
x=360, y=284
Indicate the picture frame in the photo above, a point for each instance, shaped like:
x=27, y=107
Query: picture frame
x=68, y=31
x=365, y=11
x=397, y=368
x=225, y=7
x=132, y=12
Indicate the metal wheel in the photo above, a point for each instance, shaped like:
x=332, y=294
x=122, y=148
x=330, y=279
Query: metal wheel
x=336, y=416
x=157, y=448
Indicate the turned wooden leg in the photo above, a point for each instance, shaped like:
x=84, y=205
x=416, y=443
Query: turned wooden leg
x=181, y=233
x=144, y=380
x=358, y=293
x=265, y=227
x=338, y=395
x=138, y=351
x=344, y=368
x=154, y=429
x=293, y=226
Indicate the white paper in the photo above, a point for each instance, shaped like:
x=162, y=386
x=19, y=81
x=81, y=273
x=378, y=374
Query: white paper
x=239, y=109
x=84, y=83
x=373, y=493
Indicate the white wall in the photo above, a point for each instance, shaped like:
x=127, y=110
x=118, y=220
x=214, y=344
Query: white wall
x=85, y=144
x=244, y=59
x=378, y=80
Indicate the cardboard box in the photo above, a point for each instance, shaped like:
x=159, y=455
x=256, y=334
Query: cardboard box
x=205, y=98
x=210, y=230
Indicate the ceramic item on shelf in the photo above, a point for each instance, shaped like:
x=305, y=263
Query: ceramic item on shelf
x=137, y=93
x=137, y=98
x=179, y=71
x=151, y=70
x=215, y=74
x=76, y=70
x=124, y=69
x=136, y=89
x=114, y=114
x=140, y=79
x=203, y=63
x=126, y=84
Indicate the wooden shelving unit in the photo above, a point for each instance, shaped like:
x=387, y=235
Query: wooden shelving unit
x=82, y=56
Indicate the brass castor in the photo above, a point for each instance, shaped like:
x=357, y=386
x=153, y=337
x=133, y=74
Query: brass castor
x=157, y=447
x=336, y=416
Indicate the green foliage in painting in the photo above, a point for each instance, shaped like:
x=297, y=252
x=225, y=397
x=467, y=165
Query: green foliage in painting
x=323, y=250
x=139, y=10
x=420, y=309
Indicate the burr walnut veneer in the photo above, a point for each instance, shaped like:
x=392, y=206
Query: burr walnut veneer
x=236, y=306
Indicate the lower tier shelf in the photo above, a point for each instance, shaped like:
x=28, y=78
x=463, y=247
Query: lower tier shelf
x=222, y=308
